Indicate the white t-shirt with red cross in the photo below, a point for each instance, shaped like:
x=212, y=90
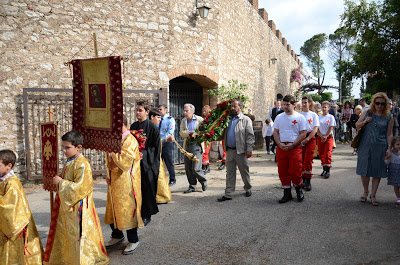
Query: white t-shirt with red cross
x=290, y=126
x=312, y=120
x=326, y=121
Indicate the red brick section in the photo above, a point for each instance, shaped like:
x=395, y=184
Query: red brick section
x=254, y=3
x=263, y=13
x=279, y=35
x=192, y=70
x=271, y=24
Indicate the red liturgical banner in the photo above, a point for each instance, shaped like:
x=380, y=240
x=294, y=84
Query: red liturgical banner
x=98, y=102
x=49, y=136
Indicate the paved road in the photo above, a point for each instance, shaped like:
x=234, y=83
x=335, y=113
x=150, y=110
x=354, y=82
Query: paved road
x=331, y=226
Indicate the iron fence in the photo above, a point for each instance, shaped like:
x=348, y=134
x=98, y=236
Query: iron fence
x=36, y=105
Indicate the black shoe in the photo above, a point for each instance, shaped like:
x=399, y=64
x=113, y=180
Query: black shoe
x=204, y=186
x=222, y=166
x=189, y=190
x=287, y=195
x=248, y=193
x=300, y=195
x=323, y=172
x=327, y=172
x=307, y=184
x=206, y=169
x=172, y=182
x=146, y=220
x=223, y=198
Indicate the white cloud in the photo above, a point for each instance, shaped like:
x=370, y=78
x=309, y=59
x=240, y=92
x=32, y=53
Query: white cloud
x=300, y=20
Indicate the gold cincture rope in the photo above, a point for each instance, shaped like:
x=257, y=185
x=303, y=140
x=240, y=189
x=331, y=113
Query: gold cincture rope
x=186, y=153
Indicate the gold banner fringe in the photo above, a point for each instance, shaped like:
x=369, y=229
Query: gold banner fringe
x=186, y=153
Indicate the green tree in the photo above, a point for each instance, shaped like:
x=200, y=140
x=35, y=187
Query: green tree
x=233, y=90
x=326, y=96
x=312, y=51
x=340, y=52
x=376, y=27
x=316, y=97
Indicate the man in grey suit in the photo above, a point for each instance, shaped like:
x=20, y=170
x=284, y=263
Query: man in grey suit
x=194, y=171
x=239, y=141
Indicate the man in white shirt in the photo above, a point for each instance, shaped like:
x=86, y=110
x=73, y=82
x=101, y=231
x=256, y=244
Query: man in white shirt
x=290, y=128
x=309, y=143
x=364, y=104
x=325, y=139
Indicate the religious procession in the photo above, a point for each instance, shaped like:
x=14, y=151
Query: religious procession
x=125, y=126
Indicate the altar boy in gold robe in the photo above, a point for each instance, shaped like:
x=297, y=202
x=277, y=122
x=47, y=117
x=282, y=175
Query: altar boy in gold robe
x=19, y=238
x=75, y=235
x=124, y=200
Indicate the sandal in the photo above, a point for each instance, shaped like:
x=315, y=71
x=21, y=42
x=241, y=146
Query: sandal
x=373, y=201
x=364, y=197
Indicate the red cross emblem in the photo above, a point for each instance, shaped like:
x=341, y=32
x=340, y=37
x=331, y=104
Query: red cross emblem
x=310, y=120
x=328, y=121
x=294, y=122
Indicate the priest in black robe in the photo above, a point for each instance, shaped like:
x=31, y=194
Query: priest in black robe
x=150, y=163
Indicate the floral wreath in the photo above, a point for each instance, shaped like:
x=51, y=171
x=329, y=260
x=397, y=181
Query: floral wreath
x=141, y=138
x=213, y=126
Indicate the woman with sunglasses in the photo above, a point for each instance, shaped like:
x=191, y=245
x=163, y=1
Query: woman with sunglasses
x=374, y=144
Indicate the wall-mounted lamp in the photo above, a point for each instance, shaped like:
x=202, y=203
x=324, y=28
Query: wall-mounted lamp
x=202, y=11
x=273, y=60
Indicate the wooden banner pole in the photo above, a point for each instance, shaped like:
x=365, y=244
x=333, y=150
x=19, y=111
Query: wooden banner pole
x=51, y=192
x=96, y=52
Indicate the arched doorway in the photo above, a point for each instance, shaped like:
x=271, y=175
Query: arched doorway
x=279, y=97
x=190, y=88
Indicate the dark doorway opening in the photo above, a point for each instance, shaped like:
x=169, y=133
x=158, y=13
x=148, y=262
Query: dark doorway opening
x=183, y=90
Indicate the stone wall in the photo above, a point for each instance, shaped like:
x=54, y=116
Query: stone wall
x=163, y=39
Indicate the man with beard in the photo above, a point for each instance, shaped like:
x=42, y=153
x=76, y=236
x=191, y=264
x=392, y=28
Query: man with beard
x=239, y=141
x=150, y=163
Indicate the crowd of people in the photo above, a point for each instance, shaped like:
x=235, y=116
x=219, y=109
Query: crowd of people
x=137, y=181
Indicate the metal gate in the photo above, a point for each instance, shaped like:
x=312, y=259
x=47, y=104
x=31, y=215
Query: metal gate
x=37, y=102
x=183, y=90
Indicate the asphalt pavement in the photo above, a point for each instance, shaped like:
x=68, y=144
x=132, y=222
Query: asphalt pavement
x=331, y=225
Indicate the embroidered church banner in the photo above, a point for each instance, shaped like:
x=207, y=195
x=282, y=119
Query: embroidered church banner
x=49, y=137
x=98, y=102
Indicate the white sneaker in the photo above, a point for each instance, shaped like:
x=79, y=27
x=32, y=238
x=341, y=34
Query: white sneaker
x=398, y=201
x=130, y=248
x=113, y=242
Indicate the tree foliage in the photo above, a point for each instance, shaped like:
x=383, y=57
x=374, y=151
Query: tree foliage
x=311, y=49
x=233, y=90
x=340, y=52
x=376, y=27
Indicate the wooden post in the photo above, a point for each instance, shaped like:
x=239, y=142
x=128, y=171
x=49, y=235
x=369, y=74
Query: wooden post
x=51, y=117
x=96, y=52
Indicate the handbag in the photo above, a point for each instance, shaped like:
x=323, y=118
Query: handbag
x=356, y=140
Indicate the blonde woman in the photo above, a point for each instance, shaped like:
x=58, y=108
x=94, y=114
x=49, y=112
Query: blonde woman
x=374, y=144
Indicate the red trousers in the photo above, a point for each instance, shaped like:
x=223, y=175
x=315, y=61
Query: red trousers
x=224, y=155
x=325, y=151
x=206, y=160
x=289, y=166
x=308, y=156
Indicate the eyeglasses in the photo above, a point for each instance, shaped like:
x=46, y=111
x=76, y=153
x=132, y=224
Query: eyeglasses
x=380, y=103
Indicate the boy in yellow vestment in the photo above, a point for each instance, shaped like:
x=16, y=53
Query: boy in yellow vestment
x=124, y=192
x=75, y=235
x=19, y=238
x=163, y=190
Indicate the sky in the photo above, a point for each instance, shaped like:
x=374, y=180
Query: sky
x=299, y=20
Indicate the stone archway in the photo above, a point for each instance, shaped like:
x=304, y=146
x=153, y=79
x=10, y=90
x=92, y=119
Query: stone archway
x=279, y=97
x=189, y=84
